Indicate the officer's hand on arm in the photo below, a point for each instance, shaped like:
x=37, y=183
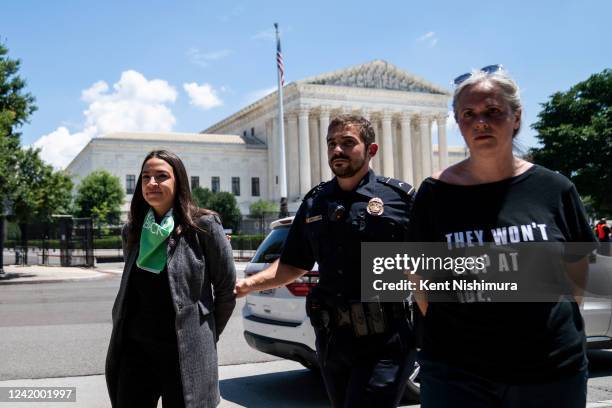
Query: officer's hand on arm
x=274, y=276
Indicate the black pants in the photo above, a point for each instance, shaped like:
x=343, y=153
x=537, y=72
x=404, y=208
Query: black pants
x=444, y=386
x=366, y=371
x=148, y=371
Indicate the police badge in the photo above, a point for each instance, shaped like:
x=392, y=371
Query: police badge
x=375, y=206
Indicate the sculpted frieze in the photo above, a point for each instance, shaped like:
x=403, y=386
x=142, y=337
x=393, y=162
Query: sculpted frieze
x=376, y=75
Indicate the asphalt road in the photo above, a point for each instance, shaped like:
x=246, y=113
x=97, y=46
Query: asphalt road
x=63, y=329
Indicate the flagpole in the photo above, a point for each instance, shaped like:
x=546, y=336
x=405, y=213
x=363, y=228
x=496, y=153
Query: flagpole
x=282, y=179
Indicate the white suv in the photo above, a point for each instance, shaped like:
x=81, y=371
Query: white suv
x=275, y=320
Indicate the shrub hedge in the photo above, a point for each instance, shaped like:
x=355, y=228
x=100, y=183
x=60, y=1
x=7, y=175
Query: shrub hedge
x=114, y=242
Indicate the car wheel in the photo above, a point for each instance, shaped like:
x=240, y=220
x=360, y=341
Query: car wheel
x=412, y=392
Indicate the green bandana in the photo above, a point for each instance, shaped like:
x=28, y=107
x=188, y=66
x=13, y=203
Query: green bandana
x=153, y=255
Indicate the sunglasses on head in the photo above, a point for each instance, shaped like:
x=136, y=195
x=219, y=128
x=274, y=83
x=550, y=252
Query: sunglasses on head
x=489, y=69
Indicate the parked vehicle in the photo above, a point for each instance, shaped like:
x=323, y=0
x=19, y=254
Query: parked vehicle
x=275, y=320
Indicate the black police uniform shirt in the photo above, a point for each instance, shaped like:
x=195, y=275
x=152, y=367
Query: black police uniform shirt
x=331, y=224
x=509, y=342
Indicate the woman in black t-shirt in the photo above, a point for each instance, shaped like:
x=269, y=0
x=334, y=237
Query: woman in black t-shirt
x=478, y=353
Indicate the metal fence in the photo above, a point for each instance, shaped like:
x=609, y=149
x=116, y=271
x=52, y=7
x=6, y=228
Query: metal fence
x=69, y=241
x=64, y=241
x=258, y=225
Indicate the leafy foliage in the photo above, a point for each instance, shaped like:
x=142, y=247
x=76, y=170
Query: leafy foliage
x=223, y=203
x=37, y=191
x=262, y=207
x=575, y=130
x=16, y=106
x=202, y=197
x=100, y=196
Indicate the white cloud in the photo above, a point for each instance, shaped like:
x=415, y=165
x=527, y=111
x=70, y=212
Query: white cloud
x=429, y=38
x=203, y=59
x=266, y=35
x=216, y=55
x=426, y=36
x=203, y=96
x=94, y=92
x=258, y=94
x=60, y=146
x=270, y=33
x=133, y=104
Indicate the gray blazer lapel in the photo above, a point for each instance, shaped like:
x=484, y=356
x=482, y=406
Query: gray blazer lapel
x=127, y=268
x=130, y=262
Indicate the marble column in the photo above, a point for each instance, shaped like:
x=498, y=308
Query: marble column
x=388, y=145
x=304, y=142
x=425, y=145
x=315, y=157
x=442, y=144
x=378, y=159
x=271, y=158
x=323, y=125
x=407, y=174
x=293, y=174
x=397, y=147
x=276, y=159
x=417, y=151
x=367, y=113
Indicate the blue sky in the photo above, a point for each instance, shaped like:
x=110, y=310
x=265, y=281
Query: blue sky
x=181, y=66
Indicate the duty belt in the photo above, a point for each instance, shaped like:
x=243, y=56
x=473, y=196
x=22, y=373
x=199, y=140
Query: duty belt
x=364, y=318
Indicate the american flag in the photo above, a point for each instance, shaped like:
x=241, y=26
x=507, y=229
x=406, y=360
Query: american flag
x=279, y=60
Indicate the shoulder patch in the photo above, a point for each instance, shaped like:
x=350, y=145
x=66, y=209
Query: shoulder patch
x=313, y=193
x=397, y=184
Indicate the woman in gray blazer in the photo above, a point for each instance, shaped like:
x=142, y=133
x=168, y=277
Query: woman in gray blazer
x=175, y=298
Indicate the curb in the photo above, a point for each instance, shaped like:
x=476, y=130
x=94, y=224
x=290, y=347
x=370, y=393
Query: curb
x=101, y=275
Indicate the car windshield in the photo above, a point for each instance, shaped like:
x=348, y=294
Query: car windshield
x=271, y=247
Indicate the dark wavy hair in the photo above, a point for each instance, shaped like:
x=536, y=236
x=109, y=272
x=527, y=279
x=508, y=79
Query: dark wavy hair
x=366, y=131
x=185, y=211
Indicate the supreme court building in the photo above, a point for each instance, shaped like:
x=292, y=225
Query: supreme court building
x=241, y=153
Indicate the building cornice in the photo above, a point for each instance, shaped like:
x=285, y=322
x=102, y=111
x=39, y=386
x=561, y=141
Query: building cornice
x=334, y=97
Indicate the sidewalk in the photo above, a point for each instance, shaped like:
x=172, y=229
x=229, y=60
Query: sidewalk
x=280, y=383
x=14, y=274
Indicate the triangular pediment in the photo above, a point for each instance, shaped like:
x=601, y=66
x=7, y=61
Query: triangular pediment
x=377, y=74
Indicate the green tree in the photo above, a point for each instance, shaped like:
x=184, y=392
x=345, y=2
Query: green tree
x=262, y=207
x=16, y=106
x=202, y=197
x=225, y=204
x=37, y=191
x=575, y=131
x=100, y=196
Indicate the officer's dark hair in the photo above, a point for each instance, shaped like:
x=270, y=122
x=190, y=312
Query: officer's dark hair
x=366, y=131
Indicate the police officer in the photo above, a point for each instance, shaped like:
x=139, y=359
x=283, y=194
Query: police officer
x=365, y=350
